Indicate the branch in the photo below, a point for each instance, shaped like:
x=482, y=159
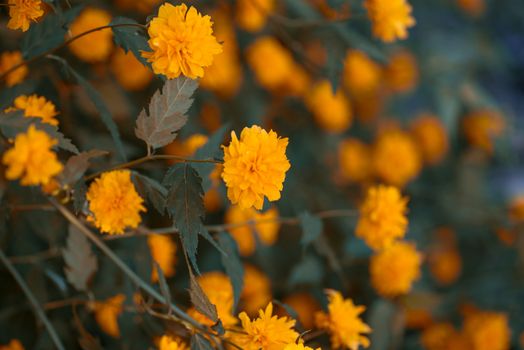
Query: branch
x=36, y=306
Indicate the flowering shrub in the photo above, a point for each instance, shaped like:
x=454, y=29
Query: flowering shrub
x=261, y=175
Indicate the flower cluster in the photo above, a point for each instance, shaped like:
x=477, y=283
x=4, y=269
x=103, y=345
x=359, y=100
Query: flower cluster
x=23, y=12
x=36, y=106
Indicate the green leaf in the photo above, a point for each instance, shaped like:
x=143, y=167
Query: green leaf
x=185, y=204
x=232, y=264
x=152, y=190
x=311, y=228
x=167, y=112
x=77, y=165
x=130, y=38
x=198, y=342
x=100, y=106
x=80, y=261
x=14, y=123
x=210, y=150
x=200, y=300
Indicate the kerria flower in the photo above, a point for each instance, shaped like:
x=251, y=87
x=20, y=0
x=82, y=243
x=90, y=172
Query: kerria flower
x=97, y=46
x=305, y=306
x=266, y=332
x=443, y=336
x=7, y=61
x=168, y=342
x=182, y=41
x=331, y=110
x=114, y=202
x=488, y=330
x=482, y=127
x=251, y=15
x=401, y=74
x=294, y=346
x=23, y=12
x=123, y=63
x=354, y=158
x=36, y=106
x=163, y=251
x=343, y=322
x=362, y=75
x=382, y=217
x=255, y=167
x=14, y=344
x=431, y=136
x=107, y=312
x=256, y=292
x=32, y=159
x=390, y=18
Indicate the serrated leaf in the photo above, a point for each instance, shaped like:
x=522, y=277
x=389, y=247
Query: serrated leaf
x=205, y=233
x=14, y=123
x=80, y=261
x=185, y=204
x=232, y=264
x=96, y=99
x=79, y=195
x=311, y=228
x=77, y=165
x=164, y=288
x=210, y=150
x=167, y=112
x=130, y=38
x=152, y=190
x=200, y=300
x=198, y=342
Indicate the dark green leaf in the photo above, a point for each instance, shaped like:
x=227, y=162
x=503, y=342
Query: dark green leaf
x=205, y=233
x=152, y=190
x=211, y=150
x=77, y=165
x=130, y=38
x=80, y=261
x=164, y=288
x=167, y=112
x=198, y=342
x=79, y=195
x=311, y=228
x=200, y=300
x=232, y=264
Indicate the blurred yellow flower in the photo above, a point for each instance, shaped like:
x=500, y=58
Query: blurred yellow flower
x=129, y=72
x=14, y=344
x=36, y=106
x=362, y=75
x=187, y=147
x=163, y=252
x=487, y=330
x=431, y=137
x=266, y=230
x=114, y=202
x=107, y=312
x=182, y=41
x=401, y=74
x=31, y=159
x=354, y=158
x=396, y=157
x=7, y=61
x=294, y=346
x=96, y=46
x=382, y=217
x=394, y=269
x=482, y=127
x=445, y=262
x=516, y=209
x=255, y=166
x=267, y=332
x=168, y=342
x=256, y=292
x=332, y=111
x=251, y=15
x=474, y=8
x=23, y=12
x=390, y=18
x=443, y=336
x=343, y=322
x=305, y=306
x=217, y=287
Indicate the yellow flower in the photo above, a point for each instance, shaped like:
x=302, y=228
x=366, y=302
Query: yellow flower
x=362, y=75
x=354, y=158
x=168, y=342
x=182, y=42
x=482, y=127
x=188, y=147
x=14, y=344
x=440, y=336
x=267, y=332
x=294, y=346
x=445, y=263
x=305, y=306
x=255, y=166
x=129, y=72
x=252, y=15
x=390, y=18
x=9, y=60
x=332, y=111
x=401, y=74
x=31, y=158
x=224, y=76
x=474, y=8
x=382, y=217
x=431, y=137
x=107, y=312
x=94, y=47
x=266, y=230
x=257, y=290
x=36, y=106
x=487, y=330
x=22, y=12
x=394, y=269
x=516, y=209
x=163, y=252
x=217, y=287
x=396, y=157
x=114, y=202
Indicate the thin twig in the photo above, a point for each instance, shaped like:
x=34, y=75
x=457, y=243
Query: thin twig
x=34, y=258
x=36, y=306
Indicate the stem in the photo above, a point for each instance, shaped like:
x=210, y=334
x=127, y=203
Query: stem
x=151, y=158
x=66, y=43
x=34, y=258
x=36, y=306
x=118, y=262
